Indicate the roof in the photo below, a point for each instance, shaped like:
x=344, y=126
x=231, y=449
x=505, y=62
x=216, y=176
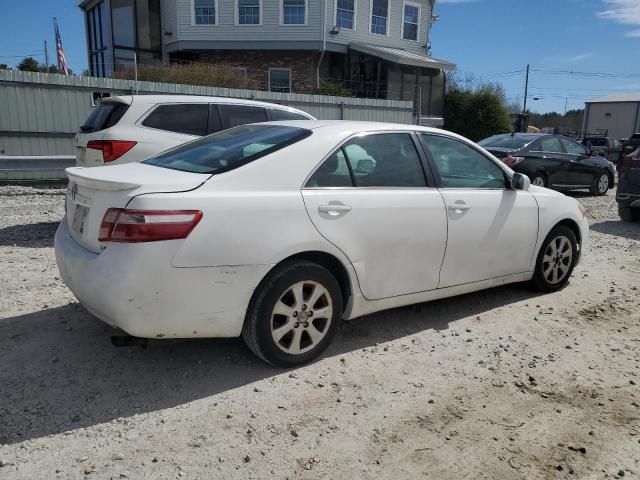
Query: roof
x=402, y=57
x=618, y=98
x=152, y=99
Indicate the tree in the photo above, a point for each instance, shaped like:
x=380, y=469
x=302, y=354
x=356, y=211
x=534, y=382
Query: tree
x=4, y=66
x=476, y=114
x=29, y=64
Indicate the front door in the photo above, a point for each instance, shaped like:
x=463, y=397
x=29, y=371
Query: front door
x=581, y=172
x=371, y=200
x=492, y=230
x=553, y=161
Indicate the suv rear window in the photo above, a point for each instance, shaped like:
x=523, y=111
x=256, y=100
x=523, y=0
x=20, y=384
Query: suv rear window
x=104, y=116
x=229, y=149
x=187, y=118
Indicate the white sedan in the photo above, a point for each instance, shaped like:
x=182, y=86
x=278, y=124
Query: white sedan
x=278, y=231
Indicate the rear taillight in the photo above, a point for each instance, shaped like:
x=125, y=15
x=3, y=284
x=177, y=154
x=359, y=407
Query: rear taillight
x=123, y=225
x=511, y=161
x=111, y=149
x=628, y=162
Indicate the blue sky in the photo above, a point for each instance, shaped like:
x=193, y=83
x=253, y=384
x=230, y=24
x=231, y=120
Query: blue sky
x=483, y=37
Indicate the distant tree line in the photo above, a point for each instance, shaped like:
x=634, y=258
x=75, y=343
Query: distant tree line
x=30, y=64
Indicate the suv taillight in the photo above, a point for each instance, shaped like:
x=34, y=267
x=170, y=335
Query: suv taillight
x=627, y=163
x=511, y=161
x=124, y=225
x=111, y=149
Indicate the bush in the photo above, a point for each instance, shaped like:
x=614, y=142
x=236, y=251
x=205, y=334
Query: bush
x=332, y=89
x=475, y=114
x=203, y=74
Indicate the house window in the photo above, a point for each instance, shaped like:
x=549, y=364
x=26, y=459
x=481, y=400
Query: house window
x=345, y=14
x=204, y=12
x=379, y=16
x=249, y=12
x=280, y=80
x=411, y=21
x=294, y=12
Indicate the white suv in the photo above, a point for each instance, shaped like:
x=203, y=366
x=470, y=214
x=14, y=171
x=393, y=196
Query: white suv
x=132, y=128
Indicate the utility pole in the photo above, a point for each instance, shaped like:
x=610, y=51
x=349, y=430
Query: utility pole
x=46, y=56
x=526, y=90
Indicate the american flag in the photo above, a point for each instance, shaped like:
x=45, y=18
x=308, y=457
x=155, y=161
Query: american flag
x=62, y=62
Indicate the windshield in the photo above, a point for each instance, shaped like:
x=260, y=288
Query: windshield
x=229, y=149
x=506, y=141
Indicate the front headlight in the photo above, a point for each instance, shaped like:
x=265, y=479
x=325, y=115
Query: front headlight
x=582, y=210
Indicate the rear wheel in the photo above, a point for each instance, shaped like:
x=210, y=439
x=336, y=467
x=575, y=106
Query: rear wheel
x=600, y=184
x=628, y=214
x=556, y=260
x=294, y=315
x=539, y=179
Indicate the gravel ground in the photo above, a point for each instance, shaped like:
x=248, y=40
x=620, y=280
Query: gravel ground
x=504, y=383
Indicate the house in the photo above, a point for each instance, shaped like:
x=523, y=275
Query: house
x=374, y=48
x=616, y=116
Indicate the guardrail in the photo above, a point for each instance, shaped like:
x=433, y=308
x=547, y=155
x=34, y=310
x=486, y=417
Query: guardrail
x=34, y=168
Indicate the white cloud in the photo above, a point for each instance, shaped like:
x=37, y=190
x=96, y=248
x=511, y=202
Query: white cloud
x=563, y=60
x=626, y=12
x=633, y=34
x=582, y=56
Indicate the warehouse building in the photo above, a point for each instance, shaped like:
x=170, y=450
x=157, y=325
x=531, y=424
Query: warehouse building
x=615, y=116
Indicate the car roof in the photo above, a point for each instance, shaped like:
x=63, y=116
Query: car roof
x=154, y=99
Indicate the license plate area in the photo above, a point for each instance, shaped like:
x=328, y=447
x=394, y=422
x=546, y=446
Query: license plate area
x=79, y=217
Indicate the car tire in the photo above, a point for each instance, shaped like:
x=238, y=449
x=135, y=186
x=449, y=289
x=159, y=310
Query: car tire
x=540, y=180
x=628, y=214
x=556, y=260
x=281, y=327
x=601, y=184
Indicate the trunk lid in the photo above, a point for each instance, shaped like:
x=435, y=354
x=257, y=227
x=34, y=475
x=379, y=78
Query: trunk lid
x=91, y=191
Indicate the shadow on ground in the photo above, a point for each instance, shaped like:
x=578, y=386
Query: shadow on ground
x=31, y=235
x=59, y=371
x=618, y=228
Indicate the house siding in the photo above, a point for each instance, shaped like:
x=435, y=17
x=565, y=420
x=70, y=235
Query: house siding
x=272, y=31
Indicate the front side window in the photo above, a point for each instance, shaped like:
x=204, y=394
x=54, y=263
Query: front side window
x=234, y=115
x=345, y=14
x=572, y=147
x=379, y=16
x=280, y=80
x=378, y=160
x=229, y=149
x=187, y=118
x=460, y=166
x=411, y=21
x=294, y=12
x=249, y=12
x=204, y=12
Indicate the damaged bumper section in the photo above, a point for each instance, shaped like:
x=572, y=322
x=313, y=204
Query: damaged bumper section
x=134, y=291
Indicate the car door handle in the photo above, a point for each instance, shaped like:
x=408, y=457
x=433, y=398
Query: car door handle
x=334, y=209
x=459, y=207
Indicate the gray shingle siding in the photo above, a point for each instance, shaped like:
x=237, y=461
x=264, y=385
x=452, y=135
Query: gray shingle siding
x=271, y=30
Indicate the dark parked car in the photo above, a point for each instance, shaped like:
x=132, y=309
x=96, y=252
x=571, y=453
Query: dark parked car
x=628, y=195
x=629, y=145
x=553, y=161
x=606, y=147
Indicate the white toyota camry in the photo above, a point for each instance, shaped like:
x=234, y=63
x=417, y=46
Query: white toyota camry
x=277, y=231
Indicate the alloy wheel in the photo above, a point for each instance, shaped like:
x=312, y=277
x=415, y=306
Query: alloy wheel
x=301, y=317
x=603, y=183
x=557, y=259
x=538, y=181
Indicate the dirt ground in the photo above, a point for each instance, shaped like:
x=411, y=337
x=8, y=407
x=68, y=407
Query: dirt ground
x=500, y=384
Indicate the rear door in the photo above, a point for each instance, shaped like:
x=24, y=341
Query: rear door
x=581, y=171
x=370, y=198
x=551, y=160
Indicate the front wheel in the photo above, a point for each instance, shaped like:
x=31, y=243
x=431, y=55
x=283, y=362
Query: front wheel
x=294, y=314
x=556, y=260
x=539, y=180
x=600, y=184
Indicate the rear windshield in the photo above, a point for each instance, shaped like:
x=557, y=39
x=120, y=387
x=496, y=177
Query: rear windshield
x=597, y=141
x=506, y=141
x=229, y=149
x=104, y=116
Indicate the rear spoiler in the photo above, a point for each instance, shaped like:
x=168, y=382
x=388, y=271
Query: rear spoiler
x=125, y=100
x=87, y=178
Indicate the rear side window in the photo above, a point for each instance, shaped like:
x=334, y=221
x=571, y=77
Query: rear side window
x=285, y=115
x=234, y=115
x=187, y=118
x=572, y=147
x=229, y=149
x=104, y=116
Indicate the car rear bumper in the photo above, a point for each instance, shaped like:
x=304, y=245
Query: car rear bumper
x=134, y=287
x=628, y=200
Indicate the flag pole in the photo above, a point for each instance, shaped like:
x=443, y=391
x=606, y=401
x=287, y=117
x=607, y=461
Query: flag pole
x=55, y=35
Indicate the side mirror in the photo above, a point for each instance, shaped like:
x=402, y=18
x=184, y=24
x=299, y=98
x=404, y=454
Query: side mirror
x=520, y=182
